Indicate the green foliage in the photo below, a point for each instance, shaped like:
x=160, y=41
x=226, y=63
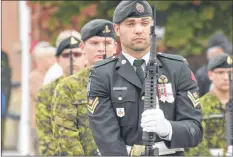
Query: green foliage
x=188, y=24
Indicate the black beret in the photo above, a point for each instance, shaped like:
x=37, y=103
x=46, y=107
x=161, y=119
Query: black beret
x=220, y=61
x=70, y=42
x=228, y=48
x=219, y=39
x=131, y=9
x=98, y=27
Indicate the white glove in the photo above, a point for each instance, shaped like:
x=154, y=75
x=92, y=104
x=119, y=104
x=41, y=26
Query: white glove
x=153, y=120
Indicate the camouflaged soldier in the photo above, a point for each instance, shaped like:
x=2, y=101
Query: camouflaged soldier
x=71, y=126
x=214, y=106
x=47, y=144
x=116, y=93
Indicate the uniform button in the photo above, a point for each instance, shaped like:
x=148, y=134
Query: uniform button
x=143, y=97
x=123, y=61
x=119, y=98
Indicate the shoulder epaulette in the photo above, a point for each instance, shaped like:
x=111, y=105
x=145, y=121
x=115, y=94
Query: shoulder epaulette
x=105, y=61
x=172, y=56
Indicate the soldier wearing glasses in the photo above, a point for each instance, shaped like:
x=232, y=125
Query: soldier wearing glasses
x=215, y=103
x=67, y=46
x=71, y=127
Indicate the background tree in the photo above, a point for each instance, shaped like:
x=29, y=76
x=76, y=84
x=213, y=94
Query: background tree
x=188, y=24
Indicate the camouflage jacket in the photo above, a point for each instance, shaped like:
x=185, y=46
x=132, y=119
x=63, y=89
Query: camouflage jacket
x=71, y=124
x=214, y=127
x=43, y=118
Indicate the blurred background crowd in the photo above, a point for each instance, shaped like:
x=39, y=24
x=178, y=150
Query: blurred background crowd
x=195, y=29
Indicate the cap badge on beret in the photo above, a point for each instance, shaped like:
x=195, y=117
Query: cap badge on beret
x=73, y=41
x=106, y=30
x=229, y=60
x=140, y=8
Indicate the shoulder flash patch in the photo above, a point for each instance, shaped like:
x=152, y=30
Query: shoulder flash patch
x=172, y=56
x=105, y=61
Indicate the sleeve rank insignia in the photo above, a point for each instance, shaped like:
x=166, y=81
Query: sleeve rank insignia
x=92, y=103
x=194, y=97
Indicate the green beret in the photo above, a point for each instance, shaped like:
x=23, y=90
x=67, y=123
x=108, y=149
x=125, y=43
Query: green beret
x=127, y=9
x=220, y=61
x=97, y=27
x=70, y=42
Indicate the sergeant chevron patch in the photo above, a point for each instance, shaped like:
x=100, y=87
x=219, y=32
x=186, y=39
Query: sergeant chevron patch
x=92, y=103
x=194, y=97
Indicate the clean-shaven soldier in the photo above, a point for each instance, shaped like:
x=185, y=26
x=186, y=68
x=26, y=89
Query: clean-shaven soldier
x=116, y=93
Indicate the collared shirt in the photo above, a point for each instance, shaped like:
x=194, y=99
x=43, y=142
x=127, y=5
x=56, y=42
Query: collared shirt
x=54, y=72
x=146, y=57
x=131, y=59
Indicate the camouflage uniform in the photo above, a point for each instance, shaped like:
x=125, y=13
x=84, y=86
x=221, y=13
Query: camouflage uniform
x=71, y=126
x=43, y=118
x=214, y=126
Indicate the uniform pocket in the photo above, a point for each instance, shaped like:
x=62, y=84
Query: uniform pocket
x=66, y=116
x=124, y=106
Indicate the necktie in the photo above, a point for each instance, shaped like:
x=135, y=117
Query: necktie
x=137, y=63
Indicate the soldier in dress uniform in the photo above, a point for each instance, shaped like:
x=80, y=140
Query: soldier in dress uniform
x=116, y=92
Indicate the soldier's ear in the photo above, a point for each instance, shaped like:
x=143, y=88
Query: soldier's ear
x=117, y=29
x=210, y=75
x=81, y=45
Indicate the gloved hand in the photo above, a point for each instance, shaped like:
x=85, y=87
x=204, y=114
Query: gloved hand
x=153, y=120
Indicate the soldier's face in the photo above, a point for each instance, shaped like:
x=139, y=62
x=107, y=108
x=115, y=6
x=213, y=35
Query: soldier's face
x=45, y=62
x=220, y=78
x=78, y=60
x=134, y=33
x=94, y=48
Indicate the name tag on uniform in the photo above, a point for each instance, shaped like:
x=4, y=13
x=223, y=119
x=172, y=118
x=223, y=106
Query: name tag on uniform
x=119, y=88
x=80, y=102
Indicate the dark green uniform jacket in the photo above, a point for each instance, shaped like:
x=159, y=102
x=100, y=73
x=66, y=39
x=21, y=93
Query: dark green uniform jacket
x=116, y=103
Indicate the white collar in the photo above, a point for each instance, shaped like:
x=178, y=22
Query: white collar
x=131, y=59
